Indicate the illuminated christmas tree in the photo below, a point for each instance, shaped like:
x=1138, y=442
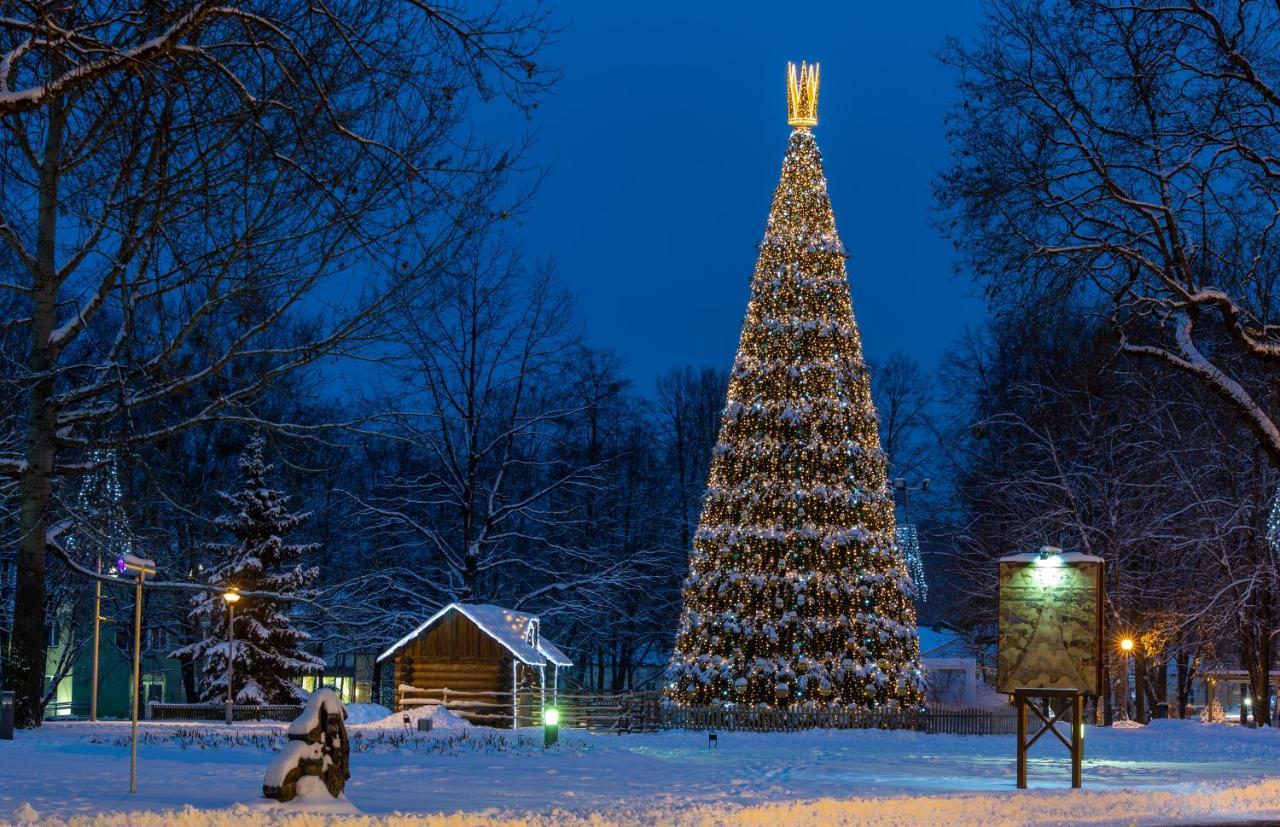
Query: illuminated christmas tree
x=797, y=595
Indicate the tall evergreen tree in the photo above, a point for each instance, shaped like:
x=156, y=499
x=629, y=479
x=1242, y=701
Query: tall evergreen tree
x=797, y=595
x=268, y=648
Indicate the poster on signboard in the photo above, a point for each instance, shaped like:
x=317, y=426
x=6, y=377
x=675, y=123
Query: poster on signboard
x=1050, y=634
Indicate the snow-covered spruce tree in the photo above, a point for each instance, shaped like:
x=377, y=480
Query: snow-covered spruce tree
x=797, y=595
x=268, y=649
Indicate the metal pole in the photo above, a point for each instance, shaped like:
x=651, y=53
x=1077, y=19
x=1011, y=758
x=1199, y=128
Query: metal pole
x=137, y=677
x=231, y=634
x=97, y=625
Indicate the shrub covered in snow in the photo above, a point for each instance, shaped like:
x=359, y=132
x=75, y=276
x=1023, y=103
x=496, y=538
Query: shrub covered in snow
x=267, y=649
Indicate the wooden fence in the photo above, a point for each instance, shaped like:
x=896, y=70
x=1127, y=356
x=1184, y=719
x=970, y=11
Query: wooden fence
x=948, y=721
x=644, y=712
x=157, y=711
x=602, y=712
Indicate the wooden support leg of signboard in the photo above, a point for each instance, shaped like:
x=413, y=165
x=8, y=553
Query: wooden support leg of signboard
x=1077, y=739
x=1024, y=700
x=1021, y=701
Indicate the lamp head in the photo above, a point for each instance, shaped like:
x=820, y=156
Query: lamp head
x=1126, y=644
x=231, y=596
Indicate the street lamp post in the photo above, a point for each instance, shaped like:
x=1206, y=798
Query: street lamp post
x=97, y=631
x=231, y=596
x=900, y=485
x=138, y=568
x=1126, y=646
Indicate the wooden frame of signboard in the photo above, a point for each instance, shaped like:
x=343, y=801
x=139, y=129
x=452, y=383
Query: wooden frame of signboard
x=1050, y=644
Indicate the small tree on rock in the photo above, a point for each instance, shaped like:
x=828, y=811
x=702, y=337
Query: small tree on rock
x=268, y=649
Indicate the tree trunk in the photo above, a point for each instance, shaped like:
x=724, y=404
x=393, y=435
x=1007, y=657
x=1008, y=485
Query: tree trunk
x=1108, y=706
x=35, y=485
x=1186, y=672
x=1140, y=688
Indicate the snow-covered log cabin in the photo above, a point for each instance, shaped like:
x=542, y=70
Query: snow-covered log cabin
x=488, y=664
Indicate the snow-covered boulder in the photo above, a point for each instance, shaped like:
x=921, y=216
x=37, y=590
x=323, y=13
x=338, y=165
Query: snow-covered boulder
x=317, y=747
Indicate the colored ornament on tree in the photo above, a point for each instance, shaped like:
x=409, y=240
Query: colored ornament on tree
x=797, y=594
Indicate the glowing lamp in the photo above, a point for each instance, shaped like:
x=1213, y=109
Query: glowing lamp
x=231, y=596
x=550, y=726
x=1047, y=570
x=1127, y=644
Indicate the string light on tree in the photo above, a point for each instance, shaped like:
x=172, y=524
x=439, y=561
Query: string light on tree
x=102, y=525
x=1273, y=524
x=797, y=594
x=909, y=542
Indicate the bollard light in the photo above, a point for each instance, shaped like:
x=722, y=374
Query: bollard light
x=6, y=715
x=550, y=726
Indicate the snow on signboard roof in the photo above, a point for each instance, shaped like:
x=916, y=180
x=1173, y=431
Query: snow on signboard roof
x=1045, y=552
x=510, y=628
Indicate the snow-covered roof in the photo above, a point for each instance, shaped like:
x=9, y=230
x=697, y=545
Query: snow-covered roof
x=941, y=642
x=552, y=652
x=1050, y=551
x=508, y=627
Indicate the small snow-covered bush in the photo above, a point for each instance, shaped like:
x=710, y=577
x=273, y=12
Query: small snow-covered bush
x=199, y=737
x=362, y=739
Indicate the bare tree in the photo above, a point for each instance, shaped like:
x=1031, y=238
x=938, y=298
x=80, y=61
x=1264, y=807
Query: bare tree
x=178, y=182
x=1126, y=152
x=902, y=399
x=689, y=404
x=473, y=513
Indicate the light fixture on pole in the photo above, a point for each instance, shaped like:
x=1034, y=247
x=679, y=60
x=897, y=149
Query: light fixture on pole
x=138, y=568
x=231, y=597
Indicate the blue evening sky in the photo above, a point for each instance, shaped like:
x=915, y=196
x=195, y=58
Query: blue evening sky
x=664, y=141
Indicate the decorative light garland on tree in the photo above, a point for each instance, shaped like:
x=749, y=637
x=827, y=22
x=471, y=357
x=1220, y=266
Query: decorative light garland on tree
x=909, y=542
x=1273, y=524
x=797, y=593
x=102, y=526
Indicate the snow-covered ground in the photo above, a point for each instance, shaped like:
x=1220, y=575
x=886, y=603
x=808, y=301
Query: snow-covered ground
x=1169, y=772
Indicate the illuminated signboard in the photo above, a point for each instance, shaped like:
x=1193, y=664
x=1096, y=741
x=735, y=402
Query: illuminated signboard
x=1050, y=622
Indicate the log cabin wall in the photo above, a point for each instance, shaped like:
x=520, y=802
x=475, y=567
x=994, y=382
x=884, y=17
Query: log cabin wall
x=455, y=654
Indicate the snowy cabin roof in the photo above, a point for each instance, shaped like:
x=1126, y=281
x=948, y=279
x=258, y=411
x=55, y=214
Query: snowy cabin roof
x=508, y=627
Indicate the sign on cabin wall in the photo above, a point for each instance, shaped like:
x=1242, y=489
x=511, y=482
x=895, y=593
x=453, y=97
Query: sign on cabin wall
x=1050, y=622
